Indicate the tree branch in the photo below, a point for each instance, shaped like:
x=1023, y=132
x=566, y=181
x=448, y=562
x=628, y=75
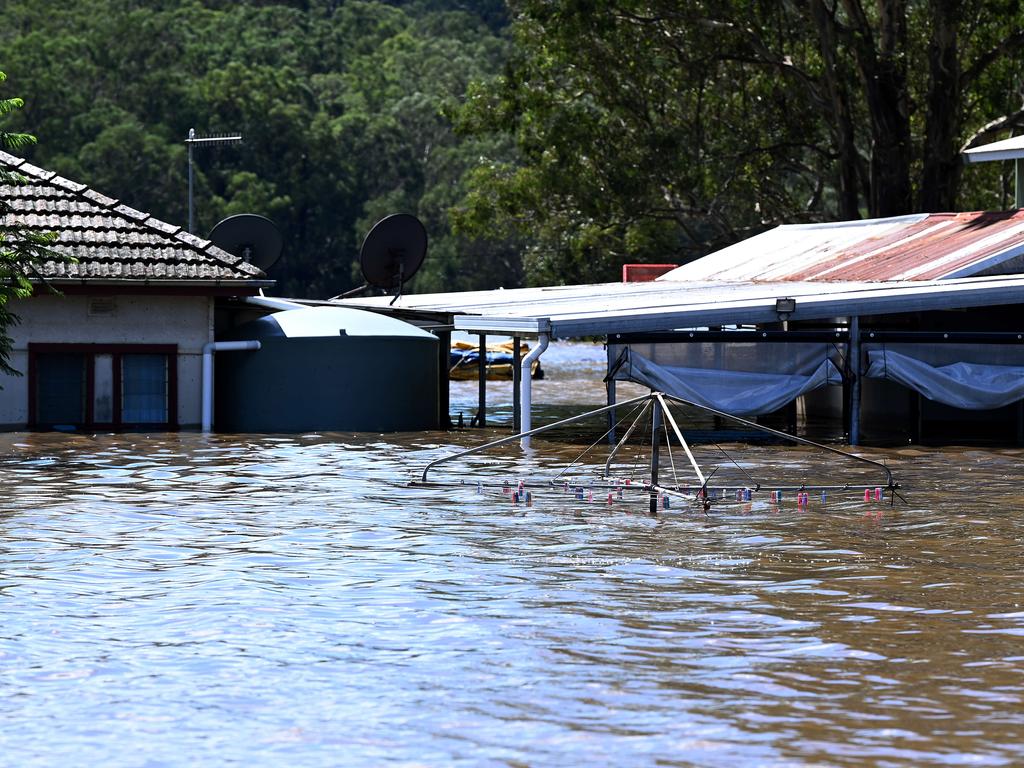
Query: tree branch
x=991, y=128
x=1007, y=45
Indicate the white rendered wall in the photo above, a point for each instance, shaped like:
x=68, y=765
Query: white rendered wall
x=186, y=321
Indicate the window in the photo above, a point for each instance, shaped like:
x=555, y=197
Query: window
x=102, y=386
x=60, y=389
x=144, y=389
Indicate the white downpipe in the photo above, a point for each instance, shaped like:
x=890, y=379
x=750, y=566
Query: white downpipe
x=526, y=386
x=208, y=350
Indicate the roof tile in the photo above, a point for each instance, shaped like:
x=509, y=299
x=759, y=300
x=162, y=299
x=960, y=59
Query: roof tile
x=35, y=171
x=131, y=213
x=111, y=240
x=68, y=184
x=100, y=199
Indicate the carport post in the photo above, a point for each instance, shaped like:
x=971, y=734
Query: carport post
x=854, y=430
x=517, y=375
x=481, y=412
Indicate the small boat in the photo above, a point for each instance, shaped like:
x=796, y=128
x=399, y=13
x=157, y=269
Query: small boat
x=464, y=361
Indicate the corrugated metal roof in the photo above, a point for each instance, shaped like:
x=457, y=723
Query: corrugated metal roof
x=110, y=241
x=919, y=247
x=605, y=309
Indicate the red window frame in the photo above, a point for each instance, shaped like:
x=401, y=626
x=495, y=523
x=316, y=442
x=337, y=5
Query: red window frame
x=116, y=351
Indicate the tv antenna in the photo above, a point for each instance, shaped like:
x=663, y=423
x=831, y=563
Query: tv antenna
x=250, y=237
x=203, y=141
x=392, y=251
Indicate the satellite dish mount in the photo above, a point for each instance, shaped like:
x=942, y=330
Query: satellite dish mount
x=391, y=254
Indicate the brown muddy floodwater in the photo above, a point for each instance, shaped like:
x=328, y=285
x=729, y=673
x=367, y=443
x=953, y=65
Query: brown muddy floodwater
x=174, y=599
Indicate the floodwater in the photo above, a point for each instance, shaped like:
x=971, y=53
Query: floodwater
x=172, y=599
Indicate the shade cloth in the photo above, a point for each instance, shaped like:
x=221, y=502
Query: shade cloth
x=745, y=379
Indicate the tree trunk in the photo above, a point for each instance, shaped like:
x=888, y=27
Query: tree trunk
x=884, y=78
x=842, y=120
x=940, y=175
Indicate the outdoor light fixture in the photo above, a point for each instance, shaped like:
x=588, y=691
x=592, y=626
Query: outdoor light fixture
x=785, y=308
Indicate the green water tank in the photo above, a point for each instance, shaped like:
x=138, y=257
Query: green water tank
x=328, y=369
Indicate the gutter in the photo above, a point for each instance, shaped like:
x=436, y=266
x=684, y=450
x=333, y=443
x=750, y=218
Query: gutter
x=208, y=350
x=526, y=386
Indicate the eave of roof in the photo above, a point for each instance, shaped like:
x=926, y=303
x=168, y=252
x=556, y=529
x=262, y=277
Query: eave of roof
x=607, y=309
x=1007, y=149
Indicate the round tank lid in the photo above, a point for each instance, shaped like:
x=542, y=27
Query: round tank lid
x=334, y=321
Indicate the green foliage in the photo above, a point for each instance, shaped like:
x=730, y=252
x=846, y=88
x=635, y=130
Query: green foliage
x=659, y=131
x=20, y=249
x=546, y=142
x=343, y=108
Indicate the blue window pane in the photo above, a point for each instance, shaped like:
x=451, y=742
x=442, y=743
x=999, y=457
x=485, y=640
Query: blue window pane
x=144, y=389
x=60, y=389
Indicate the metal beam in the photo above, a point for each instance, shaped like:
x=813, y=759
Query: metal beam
x=517, y=376
x=656, y=405
x=481, y=368
x=855, y=381
x=875, y=299
x=739, y=337
x=943, y=337
x=444, y=345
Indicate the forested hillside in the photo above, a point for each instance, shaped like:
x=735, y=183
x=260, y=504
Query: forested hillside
x=544, y=142
x=341, y=106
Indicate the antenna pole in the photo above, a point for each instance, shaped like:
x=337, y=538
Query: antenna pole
x=201, y=141
x=191, y=214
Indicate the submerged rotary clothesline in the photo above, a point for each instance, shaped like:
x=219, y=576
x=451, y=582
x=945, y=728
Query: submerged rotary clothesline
x=616, y=492
x=653, y=413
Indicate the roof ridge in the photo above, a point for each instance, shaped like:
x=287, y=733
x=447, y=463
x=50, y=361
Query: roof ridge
x=141, y=218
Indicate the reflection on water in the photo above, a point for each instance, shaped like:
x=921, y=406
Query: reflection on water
x=268, y=600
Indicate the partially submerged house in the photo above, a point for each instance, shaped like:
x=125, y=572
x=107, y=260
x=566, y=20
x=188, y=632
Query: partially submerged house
x=907, y=327
x=896, y=326
x=124, y=336
x=121, y=344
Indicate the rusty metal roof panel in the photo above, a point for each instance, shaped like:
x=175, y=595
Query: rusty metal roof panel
x=918, y=247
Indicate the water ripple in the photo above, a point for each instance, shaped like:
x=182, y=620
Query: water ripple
x=179, y=599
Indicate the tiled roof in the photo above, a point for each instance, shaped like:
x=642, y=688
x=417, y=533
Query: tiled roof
x=925, y=246
x=111, y=241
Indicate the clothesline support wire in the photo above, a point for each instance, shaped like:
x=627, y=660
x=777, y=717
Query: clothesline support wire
x=529, y=433
x=679, y=437
x=591, y=447
x=625, y=438
x=753, y=483
x=648, y=423
x=890, y=480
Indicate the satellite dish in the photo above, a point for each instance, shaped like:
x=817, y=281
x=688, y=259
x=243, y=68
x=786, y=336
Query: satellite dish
x=393, y=250
x=252, y=238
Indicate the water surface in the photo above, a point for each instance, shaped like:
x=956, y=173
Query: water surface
x=176, y=599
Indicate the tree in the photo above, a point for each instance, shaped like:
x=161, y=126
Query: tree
x=653, y=130
x=21, y=249
x=343, y=108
